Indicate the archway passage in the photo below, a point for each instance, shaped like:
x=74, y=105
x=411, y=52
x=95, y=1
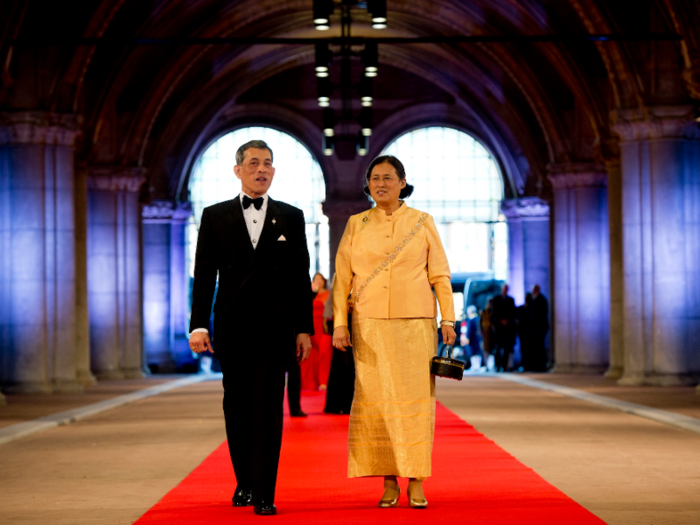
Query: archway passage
x=458, y=182
x=298, y=181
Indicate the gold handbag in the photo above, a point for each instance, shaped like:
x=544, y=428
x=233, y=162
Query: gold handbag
x=447, y=367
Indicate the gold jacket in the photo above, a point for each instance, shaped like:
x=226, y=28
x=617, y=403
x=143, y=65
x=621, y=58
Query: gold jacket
x=404, y=288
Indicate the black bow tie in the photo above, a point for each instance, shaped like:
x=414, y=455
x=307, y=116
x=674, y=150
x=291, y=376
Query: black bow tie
x=247, y=201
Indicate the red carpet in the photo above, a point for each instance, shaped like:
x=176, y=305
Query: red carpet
x=473, y=480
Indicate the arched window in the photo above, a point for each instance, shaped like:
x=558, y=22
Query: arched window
x=298, y=181
x=458, y=182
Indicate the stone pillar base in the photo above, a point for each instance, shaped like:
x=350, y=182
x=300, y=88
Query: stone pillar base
x=133, y=373
x=109, y=375
x=579, y=369
x=614, y=372
x=33, y=387
x=68, y=387
x=86, y=378
x=660, y=380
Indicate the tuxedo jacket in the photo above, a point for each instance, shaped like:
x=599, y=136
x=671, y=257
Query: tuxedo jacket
x=258, y=288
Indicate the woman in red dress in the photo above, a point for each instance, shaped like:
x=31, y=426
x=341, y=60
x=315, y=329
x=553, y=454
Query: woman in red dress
x=315, y=370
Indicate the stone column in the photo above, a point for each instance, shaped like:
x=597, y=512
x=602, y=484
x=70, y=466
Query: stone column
x=338, y=213
x=38, y=268
x=617, y=352
x=528, y=245
x=660, y=152
x=581, y=299
x=166, y=287
x=114, y=272
x=82, y=329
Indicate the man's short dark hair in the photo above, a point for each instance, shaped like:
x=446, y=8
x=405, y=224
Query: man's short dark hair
x=257, y=144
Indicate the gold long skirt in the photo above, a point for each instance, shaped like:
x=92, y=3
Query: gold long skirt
x=392, y=421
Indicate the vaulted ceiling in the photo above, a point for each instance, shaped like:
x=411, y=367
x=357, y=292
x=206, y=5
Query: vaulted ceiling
x=158, y=106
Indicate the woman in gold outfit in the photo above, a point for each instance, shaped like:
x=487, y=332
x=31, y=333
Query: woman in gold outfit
x=388, y=263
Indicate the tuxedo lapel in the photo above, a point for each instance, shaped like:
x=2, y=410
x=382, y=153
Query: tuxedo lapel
x=239, y=231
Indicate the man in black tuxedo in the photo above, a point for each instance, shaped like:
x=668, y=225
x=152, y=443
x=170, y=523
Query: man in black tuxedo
x=503, y=320
x=262, y=316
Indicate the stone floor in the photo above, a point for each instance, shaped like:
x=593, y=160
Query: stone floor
x=111, y=467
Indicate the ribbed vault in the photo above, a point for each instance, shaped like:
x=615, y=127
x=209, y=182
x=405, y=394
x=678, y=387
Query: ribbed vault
x=156, y=106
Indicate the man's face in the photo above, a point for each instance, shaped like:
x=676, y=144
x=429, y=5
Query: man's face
x=504, y=290
x=256, y=172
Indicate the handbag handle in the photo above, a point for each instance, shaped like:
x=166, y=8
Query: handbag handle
x=449, y=351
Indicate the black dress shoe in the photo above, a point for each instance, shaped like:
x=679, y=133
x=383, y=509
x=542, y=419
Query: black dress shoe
x=242, y=498
x=301, y=413
x=265, y=509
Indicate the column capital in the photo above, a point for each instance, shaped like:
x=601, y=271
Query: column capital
x=525, y=208
x=166, y=211
x=656, y=122
x=577, y=175
x=343, y=209
x=39, y=127
x=115, y=178
x=691, y=76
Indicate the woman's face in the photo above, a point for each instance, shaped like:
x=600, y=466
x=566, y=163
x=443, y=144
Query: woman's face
x=385, y=185
x=318, y=283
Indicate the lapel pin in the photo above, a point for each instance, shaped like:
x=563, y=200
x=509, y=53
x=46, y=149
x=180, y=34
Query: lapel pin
x=274, y=221
x=365, y=219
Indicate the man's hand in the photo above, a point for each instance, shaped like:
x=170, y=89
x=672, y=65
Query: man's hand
x=448, y=334
x=199, y=342
x=341, y=338
x=303, y=347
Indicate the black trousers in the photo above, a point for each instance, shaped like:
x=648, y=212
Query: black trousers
x=293, y=385
x=253, y=379
x=341, y=383
x=503, y=349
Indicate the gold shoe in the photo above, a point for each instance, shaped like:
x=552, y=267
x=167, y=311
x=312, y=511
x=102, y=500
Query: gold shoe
x=389, y=503
x=417, y=503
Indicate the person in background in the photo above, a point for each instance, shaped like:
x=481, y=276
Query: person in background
x=524, y=325
x=389, y=260
x=472, y=338
x=540, y=327
x=315, y=371
x=487, y=335
x=341, y=381
x=503, y=320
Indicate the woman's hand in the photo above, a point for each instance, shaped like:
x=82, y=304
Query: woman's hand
x=448, y=334
x=341, y=337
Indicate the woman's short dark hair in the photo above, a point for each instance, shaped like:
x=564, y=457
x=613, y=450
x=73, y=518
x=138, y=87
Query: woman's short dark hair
x=400, y=171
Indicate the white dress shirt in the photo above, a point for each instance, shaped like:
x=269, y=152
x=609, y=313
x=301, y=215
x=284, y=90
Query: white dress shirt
x=254, y=221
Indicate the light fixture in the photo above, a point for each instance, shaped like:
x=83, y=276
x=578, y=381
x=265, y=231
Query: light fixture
x=370, y=58
x=366, y=121
x=362, y=144
x=329, y=121
x=377, y=9
x=366, y=91
x=328, y=145
x=324, y=57
x=325, y=89
x=322, y=14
